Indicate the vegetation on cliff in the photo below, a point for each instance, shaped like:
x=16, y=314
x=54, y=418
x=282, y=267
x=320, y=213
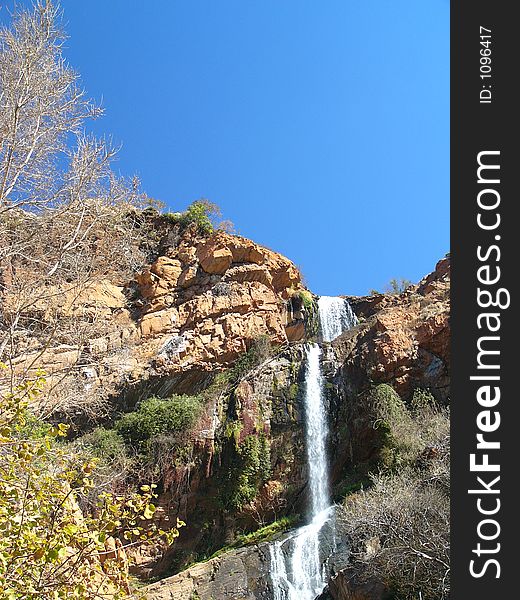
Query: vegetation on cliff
x=399, y=525
x=205, y=215
x=140, y=445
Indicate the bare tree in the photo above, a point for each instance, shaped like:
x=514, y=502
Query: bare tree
x=66, y=220
x=40, y=106
x=399, y=528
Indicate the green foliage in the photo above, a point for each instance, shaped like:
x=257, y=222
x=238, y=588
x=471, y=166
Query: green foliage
x=312, y=318
x=34, y=428
x=142, y=442
x=421, y=400
x=173, y=217
x=394, y=286
x=405, y=433
x=249, y=468
x=293, y=391
x=398, y=286
x=306, y=299
x=156, y=416
x=233, y=431
x=264, y=534
x=264, y=459
x=388, y=404
x=203, y=213
x=49, y=549
x=105, y=444
x=393, y=421
x=116, y=465
x=405, y=507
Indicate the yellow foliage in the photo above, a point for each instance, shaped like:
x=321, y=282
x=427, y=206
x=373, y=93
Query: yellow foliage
x=48, y=547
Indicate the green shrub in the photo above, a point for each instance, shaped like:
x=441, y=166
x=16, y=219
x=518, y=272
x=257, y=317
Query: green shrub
x=114, y=464
x=396, y=428
x=266, y=533
x=264, y=459
x=233, y=431
x=398, y=286
x=406, y=501
x=32, y=428
x=388, y=405
x=173, y=217
x=103, y=443
x=312, y=324
x=200, y=212
x=404, y=433
x=203, y=213
x=263, y=534
x=142, y=442
x=156, y=416
x=394, y=286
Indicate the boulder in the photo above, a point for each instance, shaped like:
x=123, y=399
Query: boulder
x=236, y=575
x=213, y=258
x=167, y=269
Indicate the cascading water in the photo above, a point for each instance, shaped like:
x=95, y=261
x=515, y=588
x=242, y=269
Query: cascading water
x=336, y=316
x=298, y=570
x=303, y=578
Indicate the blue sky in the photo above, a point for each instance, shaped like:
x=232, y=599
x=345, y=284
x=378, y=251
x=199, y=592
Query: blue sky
x=321, y=128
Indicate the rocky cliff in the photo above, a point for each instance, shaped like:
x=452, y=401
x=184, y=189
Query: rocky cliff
x=401, y=340
x=194, y=309
x=224, y=318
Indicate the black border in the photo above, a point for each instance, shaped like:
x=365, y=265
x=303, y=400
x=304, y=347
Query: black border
x=477, y=127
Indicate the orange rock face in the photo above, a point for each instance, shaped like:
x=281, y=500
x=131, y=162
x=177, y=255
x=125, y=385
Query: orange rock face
x=218, y=298
x=214, y=259
x=199, y=305
x=406, y=332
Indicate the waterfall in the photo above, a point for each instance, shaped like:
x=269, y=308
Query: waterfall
x=335, y=315
x=298, y=570
x=316, y=431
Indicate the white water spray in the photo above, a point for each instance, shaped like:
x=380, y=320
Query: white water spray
x=298, y=571
x=336, y=316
